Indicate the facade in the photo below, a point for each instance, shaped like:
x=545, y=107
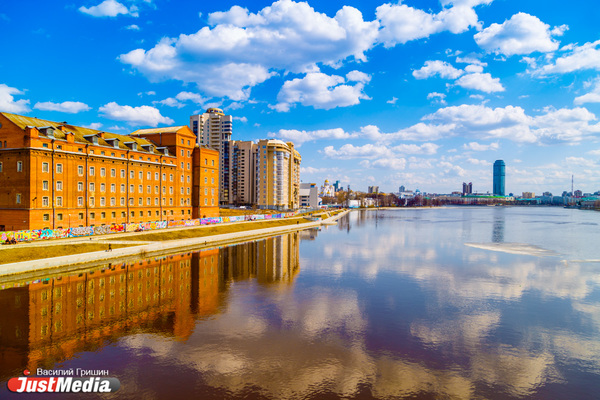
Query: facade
x=499, y=176
x=57, y=175
x=309, y=195
x=213, y=129
x=242, y=173
x=277, y=175
x=467, y=188
x=373, y=189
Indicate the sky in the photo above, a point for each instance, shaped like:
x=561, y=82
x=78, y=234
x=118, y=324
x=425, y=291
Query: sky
x=421, y=93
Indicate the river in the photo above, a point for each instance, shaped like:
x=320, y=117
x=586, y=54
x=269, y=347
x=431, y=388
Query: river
x=465, y=303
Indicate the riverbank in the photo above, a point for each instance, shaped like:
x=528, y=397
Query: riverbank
x=148, y=244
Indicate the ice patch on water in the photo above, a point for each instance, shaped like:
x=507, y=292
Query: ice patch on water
x=514, y=248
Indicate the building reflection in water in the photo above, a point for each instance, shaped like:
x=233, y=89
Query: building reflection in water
x=498, y=227
x=52, y=320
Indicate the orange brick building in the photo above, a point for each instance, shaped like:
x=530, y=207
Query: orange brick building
x=56, y=175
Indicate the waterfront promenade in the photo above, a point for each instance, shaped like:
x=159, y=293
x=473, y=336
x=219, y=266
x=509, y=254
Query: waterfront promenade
x=146, y=248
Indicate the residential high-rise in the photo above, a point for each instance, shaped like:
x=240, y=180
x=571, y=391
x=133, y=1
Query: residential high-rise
x=213, y=129
x=467, y=188
x=277, y=176
x=499, y=175
x=242, y=172
x=373, y=189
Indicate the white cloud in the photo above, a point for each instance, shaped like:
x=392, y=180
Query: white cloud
x=142, y=115
x=385, y=163
x=392, y=101
x=313, y=170
x=579, y=58
x=170, y=102
x=241, y=119
x=417, y=132
x=94, y=125
x=241, y=49
x=475, y=161
x=521, y=34
x=299, y=137
x=401, y=23
x=194, y=97
x=108, y=8
x=482, y=82
x=7, y=100
x=438, y=97
x=71, y=107
x=474, y=146
x=322, y=91
x=369, y=151
x=133, y=27
x=591, y=97
x=580, y=161
x=436, y=67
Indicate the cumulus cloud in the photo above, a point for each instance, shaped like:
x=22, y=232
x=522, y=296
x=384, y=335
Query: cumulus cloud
x=142, y=115
x=592, y=97
x=438, y=97
x=300, y=137
x=482, y=82
x=577, y=58
x=371, y=150
x=7, y=100
x=108, y=8
x=521, y=34
x=401, y=23
x=71, y=107
x=436, y=67
x=385, y=163
x=417, y=132
x=474, y=146
x=512, y=123
x=323, y=91
x=241, y=49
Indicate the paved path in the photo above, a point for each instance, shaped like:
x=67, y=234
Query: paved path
x=150, y=248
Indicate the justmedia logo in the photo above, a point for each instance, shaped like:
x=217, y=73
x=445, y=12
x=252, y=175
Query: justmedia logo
x=63, y=384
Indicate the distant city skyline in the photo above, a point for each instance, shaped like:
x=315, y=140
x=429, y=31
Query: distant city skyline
x=424, y=94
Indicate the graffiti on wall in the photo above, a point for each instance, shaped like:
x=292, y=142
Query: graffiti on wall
x=39, y=234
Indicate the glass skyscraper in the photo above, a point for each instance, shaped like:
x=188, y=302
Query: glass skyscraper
x=499, y=167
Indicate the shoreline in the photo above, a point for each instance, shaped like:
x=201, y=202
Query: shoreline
x=76, y=261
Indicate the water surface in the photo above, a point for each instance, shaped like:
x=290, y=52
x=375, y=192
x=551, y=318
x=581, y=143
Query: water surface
x=466, y=303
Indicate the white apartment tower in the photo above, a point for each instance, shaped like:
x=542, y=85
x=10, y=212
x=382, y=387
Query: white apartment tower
x=213, y=129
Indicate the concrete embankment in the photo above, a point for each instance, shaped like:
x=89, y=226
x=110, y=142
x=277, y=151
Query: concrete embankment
x=156, y=248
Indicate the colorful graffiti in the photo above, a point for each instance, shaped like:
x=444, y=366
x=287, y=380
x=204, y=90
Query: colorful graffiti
x=42, y=234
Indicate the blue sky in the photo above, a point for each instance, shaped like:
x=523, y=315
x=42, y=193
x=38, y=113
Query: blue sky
x=425, y=94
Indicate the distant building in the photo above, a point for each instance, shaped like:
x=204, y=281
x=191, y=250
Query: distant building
x=213, y=129
x=336, y=186
x=467, y=188
x=528, y=195
x=499, y=178
x=309, y=195
x=242, y=173
x=401, y=189
x=327, y=190
x=373, y=189
x=578, y=194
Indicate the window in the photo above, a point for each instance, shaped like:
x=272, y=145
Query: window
x=148, y=201
x=59, y=185
x=113, y=214
x=156, y=175
x=80, y=186
x=122, y=173
x=102, y=201
x=123, y=214
x=122, y=201
x=171, y=201
x=122, y=188
x=188, y=179
x=102, y=215
x=156, y=201
x=45, y=202
x=18, y=198
x=188, y=165
x=148, y=189
x=92, y=187
x=80, y=215
x=140, y=201
x=141, y=175
x=181, y=152
x=92, y=171
x=156, y=189
x=164, y=176
x=213, y=163
x=113, y=187
x=91, y=202
x=113, y=201
x=103, y=187
x=45, y=185
x=171, y=177
x=149, y=175
x=182, y=165
x=131, y=188
x=102, y=171
x=205, y=201
x=149, y=213
x=80, y=170
x=46, y=217
x=80, y=201
x=59, y=217
x=141, y=213
x=141, y=189
x=205, y=180
x=59, y=201
x=170, y=189
x=113, y=173
x=19, y=166
x=212, y=180
x=205, y=191
x=205, y=161
x=131, y=174
x=0, y=163
x=92, y=215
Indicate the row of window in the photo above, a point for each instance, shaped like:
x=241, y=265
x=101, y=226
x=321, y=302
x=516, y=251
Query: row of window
x=60, y=216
